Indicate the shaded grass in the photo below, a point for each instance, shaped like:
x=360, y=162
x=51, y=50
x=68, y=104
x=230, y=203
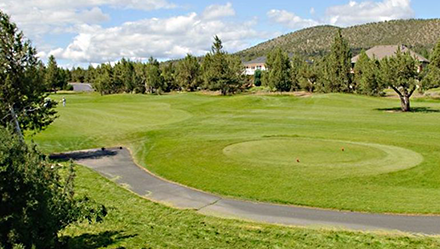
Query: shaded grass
x=134, y=222
x=182, y=137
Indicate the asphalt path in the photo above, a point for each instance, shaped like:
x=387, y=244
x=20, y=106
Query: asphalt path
x=117, y=164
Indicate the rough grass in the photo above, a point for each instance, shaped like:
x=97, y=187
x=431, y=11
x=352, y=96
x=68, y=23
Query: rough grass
x=182, y=137
x=134, y=222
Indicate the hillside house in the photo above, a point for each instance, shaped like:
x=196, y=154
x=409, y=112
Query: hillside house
x=383, y=51
x=253, y=65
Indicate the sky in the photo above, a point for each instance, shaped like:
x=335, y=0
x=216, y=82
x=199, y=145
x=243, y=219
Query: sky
x=84, y=32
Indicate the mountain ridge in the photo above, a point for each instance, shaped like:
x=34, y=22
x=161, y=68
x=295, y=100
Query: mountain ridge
x=418, y=34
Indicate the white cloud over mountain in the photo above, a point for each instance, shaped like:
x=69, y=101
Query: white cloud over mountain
x=349, y=14
x=363, y=12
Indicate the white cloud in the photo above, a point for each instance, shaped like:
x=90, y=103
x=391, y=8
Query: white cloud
x=165, y=38
x=39, y=17
x=349, y=14
x=290, y=20
x=369, y=11
x=217, y=11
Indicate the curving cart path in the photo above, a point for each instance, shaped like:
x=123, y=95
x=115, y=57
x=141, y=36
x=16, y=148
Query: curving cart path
x=117, y=164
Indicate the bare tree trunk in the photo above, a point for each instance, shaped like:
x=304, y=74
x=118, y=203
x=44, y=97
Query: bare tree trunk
x=405, y=104
x=16, y=124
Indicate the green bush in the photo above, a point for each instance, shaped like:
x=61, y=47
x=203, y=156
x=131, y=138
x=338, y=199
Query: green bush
x=36, y=201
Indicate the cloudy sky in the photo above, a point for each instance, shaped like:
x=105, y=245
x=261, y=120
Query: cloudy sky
x=80, y=32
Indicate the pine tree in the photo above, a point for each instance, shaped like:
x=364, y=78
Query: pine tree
x=222, y=71
x=188, y=73
x=366, y=76
x=168, y=73
x=279, y=71
x=55, y=77
x=308, y=76
x=23, y=97
x=432, y=78
x=154, y=82
x=339, y=66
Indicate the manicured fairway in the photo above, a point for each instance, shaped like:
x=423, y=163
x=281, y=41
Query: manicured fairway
x=331, y=151
x=139, y=223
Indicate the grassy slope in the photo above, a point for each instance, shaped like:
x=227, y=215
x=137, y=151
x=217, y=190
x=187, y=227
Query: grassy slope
x=182, y=137
x=134, y=222
x=415, y=33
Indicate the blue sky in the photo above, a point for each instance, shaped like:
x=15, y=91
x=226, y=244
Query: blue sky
x=83, y=32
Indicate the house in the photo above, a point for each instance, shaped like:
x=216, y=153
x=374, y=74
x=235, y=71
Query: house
x=253, y=65
x=383, y=51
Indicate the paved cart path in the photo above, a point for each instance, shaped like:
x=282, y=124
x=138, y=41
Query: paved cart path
x=117, y=164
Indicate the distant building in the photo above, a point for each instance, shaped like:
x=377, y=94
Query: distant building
x=383, y=51
x=81, y=87
x=253, y=65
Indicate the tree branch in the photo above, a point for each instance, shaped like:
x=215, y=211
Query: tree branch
x=397, y=91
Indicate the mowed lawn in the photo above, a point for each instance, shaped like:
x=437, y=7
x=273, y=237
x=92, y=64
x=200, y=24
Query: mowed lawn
x=331, y=151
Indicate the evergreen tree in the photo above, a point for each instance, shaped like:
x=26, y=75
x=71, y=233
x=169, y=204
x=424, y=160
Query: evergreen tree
x=308, y=76
x=23, y=100
x=221, y=71
x=104, y=82
x=124, y=75
x=366, y=76
x=140, y=77
x=257, y=77
x=188, y=73
x=169, y=78
x=400, y=73
x=36, y=201
x=55, y=76
x=154, y=82
x=295, y=72
x=279, y=71
x=432, y=78
x=338, y=68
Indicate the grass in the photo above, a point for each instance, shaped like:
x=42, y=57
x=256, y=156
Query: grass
x=246, y=146
x=138, y=223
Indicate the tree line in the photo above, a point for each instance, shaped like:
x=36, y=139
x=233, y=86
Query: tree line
x=334, y=73
x=220, y=71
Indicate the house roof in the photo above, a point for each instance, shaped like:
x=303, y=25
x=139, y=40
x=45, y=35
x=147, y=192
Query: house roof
x=259, y=60
x=383, y=51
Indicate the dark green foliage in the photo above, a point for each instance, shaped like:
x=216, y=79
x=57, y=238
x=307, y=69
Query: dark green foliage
x=432, y=78
x=55, y=77
x=279, y=71
x=36, y=202
x=104, y=82
x=22, y=86
x=124, y=75
x=188, y=74
x=257, y=77
x=79, y=75
x=400, y=73
x=168, y=73
x=222, y=71
x=337, y=68
x=367, y=76
x=295, y=72
x=420, y=35
x=154, y=82
x=308, y=75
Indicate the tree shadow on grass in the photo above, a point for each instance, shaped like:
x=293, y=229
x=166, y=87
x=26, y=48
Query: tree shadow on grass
x=413, y=109
x=93, y=154
x=92, y=241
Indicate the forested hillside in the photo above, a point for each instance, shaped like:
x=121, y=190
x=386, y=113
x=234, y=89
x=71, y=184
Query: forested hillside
x=420, y=35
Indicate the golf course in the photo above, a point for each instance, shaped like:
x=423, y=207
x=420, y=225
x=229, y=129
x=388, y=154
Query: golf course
x=332, y=151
